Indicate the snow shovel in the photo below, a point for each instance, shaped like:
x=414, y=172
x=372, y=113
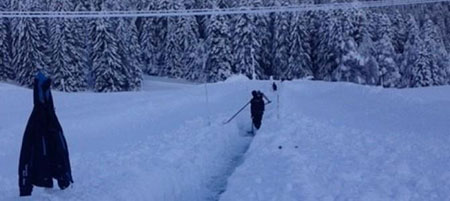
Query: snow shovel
x=237, y=113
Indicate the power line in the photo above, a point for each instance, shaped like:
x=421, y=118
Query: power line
x=224, y=11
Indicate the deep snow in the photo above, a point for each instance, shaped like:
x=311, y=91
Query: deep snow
x=320, y=141
x=337, y=141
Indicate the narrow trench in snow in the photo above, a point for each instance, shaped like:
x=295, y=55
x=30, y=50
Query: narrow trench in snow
x=221, y=181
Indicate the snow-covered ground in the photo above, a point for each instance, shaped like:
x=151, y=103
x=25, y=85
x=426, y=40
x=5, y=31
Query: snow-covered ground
x=319, y=141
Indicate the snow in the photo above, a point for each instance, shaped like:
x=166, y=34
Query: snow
x=332, y=141
x=347, y=142
x=237, y=78
x=154, y=83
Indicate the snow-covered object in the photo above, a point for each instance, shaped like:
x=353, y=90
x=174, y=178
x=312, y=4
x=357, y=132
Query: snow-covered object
x=68, y=51
x=29, y=49
x=110, y=72
x=237, y=78
x=218, y=64
x=6, y=72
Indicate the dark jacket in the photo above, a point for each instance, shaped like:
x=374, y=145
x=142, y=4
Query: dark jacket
x=257, y=105
x=44, y=154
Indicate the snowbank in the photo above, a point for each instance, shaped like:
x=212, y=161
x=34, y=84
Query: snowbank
x=237, y=78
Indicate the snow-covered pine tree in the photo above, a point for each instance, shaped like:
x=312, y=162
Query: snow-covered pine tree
x=336, y=48
x=370, y=67
x=174, y=65
x=189, y=4
x=439, y=14
x=411, y=52
x=44, y=31
x=203, y=20
x=349, y=62
x=379, y=25
x=308, y=42
x=264, y=36
x=81, y=29
x=399, y=32
x=382, y=34
x=58, y=68
x=109, y=66
x=133, y=52
x=68, y=51
x=197, y=73
x=245, y=47
x=95, y=5
x=6, y=71
x=323, y=55
x=190, y=43
x=219, y=61
x=220, y=4
x=389, y=75
x=30, y=45
x=131, y=49
x=299, y=63
x=427, y=68
x=3, y=51
x=434, y=51
x=159, y=35
x=421, y=71
x=315, y=22
x=399, y=35
x=84, y=29
x=182, y=40
x=358, y=18
x=82, y=5
x=147, y=41
x=350, y=66
x=281, y=40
